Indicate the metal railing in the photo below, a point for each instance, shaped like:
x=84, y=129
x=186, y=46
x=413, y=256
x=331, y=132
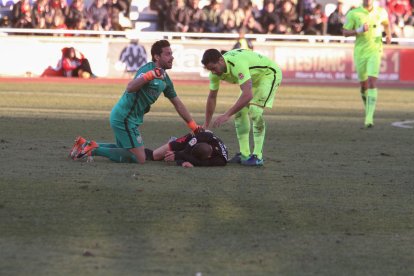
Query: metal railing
x=134, y=34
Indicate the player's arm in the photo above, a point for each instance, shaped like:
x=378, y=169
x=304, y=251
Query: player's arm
x=136, y=84
x=184, y=114
x=387, y=30
x=210, y=107
x=242, y=101
x=67, y=65
x=350, y=29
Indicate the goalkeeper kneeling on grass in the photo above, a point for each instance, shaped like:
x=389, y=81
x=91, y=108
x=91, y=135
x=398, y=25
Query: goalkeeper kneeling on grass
x=200, y=149
x=149, y=83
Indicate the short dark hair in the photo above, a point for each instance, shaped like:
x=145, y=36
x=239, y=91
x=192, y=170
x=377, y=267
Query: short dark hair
x=201, y=151
x=156, y=48
x=211, y=56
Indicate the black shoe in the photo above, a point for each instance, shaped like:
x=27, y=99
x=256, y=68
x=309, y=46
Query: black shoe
x=236, y=159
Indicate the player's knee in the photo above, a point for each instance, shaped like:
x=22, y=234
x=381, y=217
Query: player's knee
x=372, y=82
x=256, y=113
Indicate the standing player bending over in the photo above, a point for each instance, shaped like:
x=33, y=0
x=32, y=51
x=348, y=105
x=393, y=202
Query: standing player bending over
x=128, y=114
x=201, y=149
x=258, y=78
x=365, y=23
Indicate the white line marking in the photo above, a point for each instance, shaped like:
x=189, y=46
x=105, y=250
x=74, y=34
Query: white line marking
x=403, y=124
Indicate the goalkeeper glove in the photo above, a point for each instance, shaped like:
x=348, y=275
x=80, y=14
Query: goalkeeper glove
x=194, y=127
x=157, y=73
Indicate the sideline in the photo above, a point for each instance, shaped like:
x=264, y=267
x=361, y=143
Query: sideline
x=403, y=124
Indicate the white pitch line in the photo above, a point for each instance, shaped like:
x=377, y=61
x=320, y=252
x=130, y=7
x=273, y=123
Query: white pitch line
x=403, y=124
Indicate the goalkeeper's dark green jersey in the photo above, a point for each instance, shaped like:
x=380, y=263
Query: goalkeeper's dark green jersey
x=131, y=107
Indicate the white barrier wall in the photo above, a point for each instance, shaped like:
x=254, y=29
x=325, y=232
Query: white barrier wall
x=30, y=55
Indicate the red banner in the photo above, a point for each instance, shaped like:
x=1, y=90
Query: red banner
x=330, y=63
x=407, y=65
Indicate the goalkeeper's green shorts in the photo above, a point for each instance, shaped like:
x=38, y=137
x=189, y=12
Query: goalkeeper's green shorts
x=127, y=136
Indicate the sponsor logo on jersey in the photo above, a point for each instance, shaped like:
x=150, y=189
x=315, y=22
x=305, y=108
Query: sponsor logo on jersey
x=241, y=76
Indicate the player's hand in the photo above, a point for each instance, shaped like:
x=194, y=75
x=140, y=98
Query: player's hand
x=363, y=28
x=199, y=129
x=187, y=165
x=157, y=73
x=388, y=39
x=169, y=156
x=221, y=120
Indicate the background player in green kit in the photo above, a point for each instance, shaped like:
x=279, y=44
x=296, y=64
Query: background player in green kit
x=258, y=78
x=127, y=115
x=365, y=23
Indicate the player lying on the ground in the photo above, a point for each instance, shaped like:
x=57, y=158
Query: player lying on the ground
x=201, y=149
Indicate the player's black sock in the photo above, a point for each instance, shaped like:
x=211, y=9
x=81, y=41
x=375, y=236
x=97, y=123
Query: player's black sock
x=149, y=155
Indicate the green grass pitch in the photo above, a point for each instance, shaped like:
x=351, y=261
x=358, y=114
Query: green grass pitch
x=332, y=198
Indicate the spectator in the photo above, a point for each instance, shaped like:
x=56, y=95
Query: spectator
x=250, y=24
x=213, y=16
x=400, y=12
x=336, y=20
x=77, y=17
x=98, y=16
x=117, y=18
x=22, y=15
x=178, y=19
x=59, y=7
x=289, y=21
x=80, y=24
x=269, y=18
x=232, y=17
x=197, y=18
x=304, y=7
x=40, y=12
x=163, y=8
x=229, y=26
x=58, y=22
x=74, y=64
x=119, y=5
x=5, y=22
x=315, y=23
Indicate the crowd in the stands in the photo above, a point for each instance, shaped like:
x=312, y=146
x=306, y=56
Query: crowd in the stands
x=218, y=16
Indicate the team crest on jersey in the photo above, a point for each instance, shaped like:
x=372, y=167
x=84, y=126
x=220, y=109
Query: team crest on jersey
x=139, y=139
x=193, y=142
x=241, y=76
